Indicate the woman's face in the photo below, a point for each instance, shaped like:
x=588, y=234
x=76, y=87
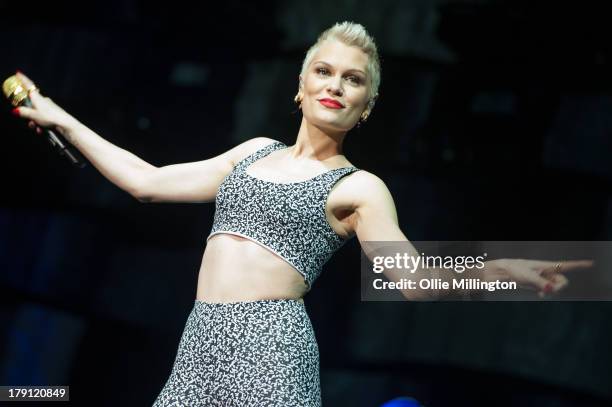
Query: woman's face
x=335, y=86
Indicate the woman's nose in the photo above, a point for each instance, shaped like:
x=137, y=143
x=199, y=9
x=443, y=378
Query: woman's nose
x=335, y=87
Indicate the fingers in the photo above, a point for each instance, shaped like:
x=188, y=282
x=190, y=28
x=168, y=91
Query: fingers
x=24, y=112
x=575, y=265
x=556, y=283
x=36, y=98
x=42, y=112
x=545, y=284
x=560, y=266
x=28, y=113
x=34, y=95
x=32, y=124
x=538, y=282
x=27, y=82
x=568, y=265
x=559, y=282
x=544, y=276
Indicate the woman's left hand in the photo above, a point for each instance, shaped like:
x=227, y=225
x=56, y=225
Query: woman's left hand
x=546, y=277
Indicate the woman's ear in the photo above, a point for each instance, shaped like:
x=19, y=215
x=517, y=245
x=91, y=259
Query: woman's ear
x=298, y=99
x=371, y=103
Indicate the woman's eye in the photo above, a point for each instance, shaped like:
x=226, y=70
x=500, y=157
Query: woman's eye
x=354, y=79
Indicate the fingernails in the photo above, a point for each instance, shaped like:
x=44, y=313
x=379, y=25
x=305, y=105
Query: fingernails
x=548, y=288
x=15, y=111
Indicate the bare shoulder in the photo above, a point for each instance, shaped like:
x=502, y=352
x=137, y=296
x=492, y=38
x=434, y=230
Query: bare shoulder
x=248, y=147
x=363, y=178
x=366, y=197
x=363, y=186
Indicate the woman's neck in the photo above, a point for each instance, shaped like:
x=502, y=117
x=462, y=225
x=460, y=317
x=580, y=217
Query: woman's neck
x=316, y=144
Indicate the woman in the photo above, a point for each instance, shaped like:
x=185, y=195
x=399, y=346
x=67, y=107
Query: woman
x=281, y=211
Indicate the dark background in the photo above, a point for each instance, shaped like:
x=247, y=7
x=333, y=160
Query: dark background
x=493, y=123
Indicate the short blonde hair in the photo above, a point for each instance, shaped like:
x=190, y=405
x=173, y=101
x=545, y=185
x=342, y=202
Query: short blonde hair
x=352, y=34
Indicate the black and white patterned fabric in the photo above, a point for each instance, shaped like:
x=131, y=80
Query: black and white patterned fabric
x=245, y=354
x=286, y=218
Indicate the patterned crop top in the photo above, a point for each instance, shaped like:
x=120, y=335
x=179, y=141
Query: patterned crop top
x=285, y=218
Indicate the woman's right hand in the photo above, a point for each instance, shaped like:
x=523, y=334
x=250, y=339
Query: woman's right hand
x=44, y=112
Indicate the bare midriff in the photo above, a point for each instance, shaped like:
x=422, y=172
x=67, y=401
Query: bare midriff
x=236, y=269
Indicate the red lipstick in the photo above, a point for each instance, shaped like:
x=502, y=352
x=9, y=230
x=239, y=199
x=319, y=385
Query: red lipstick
x=331, y=103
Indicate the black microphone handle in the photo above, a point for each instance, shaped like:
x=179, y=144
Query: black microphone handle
x=55, y=141
x=62, y=149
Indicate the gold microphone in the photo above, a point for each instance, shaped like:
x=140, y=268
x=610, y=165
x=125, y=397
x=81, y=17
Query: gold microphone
x=18, y=95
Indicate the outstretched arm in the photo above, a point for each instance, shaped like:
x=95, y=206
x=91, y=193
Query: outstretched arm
x=188, y=182
x=375, y=221
x=196, y=181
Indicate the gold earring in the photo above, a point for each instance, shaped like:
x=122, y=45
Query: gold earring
x=298, y=99
x=362, y=119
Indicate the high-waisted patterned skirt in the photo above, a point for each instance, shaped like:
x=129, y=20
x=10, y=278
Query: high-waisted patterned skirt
x=245, y=354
